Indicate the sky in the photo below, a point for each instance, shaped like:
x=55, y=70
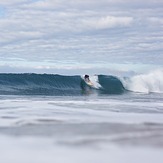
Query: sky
x=77, y=36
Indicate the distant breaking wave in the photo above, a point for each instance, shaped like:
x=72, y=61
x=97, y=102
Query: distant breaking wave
x=59, y=85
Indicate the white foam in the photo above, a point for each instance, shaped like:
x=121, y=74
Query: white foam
x=95, y=81
x=146, y=83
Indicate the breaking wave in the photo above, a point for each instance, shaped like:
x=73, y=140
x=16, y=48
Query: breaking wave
x=151, y=82
x=59, y=85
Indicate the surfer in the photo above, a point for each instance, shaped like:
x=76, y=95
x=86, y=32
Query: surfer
x=86, y=77
x=87, y=80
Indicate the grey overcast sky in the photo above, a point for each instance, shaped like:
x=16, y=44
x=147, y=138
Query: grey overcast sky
x=49, y=35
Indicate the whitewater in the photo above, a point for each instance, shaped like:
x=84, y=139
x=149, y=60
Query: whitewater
x=59, y=118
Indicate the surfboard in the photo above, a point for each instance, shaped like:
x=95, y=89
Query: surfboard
x=89, y=83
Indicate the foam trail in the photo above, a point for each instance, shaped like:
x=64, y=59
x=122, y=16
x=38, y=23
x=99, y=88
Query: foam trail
x=145, y=83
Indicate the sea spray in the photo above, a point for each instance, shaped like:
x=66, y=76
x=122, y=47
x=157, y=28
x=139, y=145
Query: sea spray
x=145, y=83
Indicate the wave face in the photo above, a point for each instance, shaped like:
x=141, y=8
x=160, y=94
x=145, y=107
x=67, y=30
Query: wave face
x=39, y=84
x=110, y=85
x=56, y=85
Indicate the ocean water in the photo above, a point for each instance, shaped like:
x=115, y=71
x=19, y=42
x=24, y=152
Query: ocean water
x=55, y=118
x=48, y=114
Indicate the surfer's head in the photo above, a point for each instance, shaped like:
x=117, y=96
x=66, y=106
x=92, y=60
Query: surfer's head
x=86, y=76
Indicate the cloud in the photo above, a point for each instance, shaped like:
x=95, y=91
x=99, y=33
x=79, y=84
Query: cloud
x=27, y=23
x=79, y=30
x=108, y=22
x=11, y=2
x=156, y=20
